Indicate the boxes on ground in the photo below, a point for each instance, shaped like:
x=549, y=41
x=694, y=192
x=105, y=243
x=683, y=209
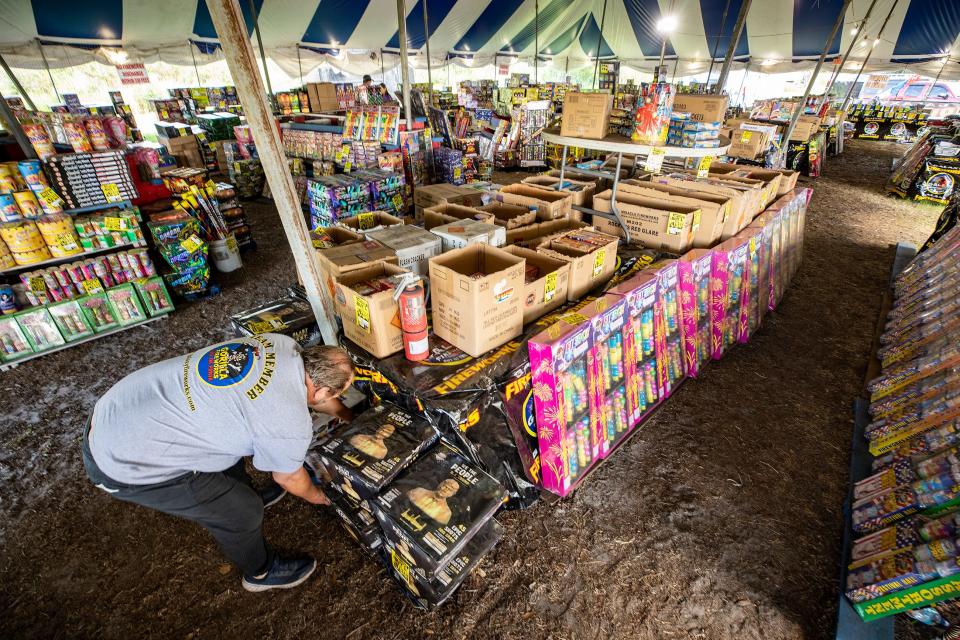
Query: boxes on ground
x=185, y=149
x=550, y=204
x=701, y=107
x=338, y=261
x=654, y=222
x=330, y=237
x=803, y=131
x=369, y=221
x=592, y=256
x=582, y=192
x=370, y=315
x=414, y=246
x=290, y=315
x=477, y=297
x=546, y=282
x=586, y=115
x=771, y=179
x=510, y=216
x=430, y=195
x=462, y=233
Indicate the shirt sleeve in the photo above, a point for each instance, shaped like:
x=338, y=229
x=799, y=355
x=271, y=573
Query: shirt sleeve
x=281, y=455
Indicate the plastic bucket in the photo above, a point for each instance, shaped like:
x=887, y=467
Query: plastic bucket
x=226, y=254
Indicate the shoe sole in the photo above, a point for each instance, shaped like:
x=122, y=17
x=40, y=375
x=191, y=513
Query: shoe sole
x=275, y=500
x=257, y=588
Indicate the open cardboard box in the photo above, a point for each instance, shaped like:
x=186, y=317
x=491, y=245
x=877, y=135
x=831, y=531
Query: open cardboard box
x=771, y=179
x=412, y=245
x=654, y=222
x=338, y=261
x=582, y=192
x=510, y=216
x=462, y=233
x=373, y=320
x=338, y=235
x=588, y=268
x=533, y=236
x=550, y=204
x=431, y=195
x=549, y=290
x=477, y=297
x=714, y=208
x=369, y=221
x=447, y=212
x=586, y=115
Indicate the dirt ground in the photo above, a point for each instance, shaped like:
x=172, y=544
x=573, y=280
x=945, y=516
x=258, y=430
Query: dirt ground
x=720, y=519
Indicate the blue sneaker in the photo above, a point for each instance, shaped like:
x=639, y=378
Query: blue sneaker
x=283, y=574
x=272, y=494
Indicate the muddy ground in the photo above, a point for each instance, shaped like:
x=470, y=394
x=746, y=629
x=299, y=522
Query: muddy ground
x=721, y=519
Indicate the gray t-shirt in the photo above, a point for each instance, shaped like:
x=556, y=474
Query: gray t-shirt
x=204, y=411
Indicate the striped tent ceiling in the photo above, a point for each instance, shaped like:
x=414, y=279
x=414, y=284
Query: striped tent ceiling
x=779, y=34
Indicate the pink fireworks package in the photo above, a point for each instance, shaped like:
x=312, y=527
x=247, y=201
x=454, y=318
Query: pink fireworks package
x=694, y=271
x=769, y=223
x=560, y=366
x=728, y=287
x=671, y=368
x=751, y=309
x=609, y=414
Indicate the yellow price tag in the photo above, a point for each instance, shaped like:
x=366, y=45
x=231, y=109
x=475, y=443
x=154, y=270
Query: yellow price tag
x=753, y=246
x=550, y=287
x=114, y=224
x=696, y=221
x=67, y=241
x=598, y=261
x=50, y=196
x=676, y=223
x=38, y=284
x=111, y=192
x=746, y=136
x=347, y=166
x=92, y=286
x=574, y=318
x=703, y=170
x=654, y=160
x=362, y=308
x=192, y=243
x=398, y=202
x=457, y=172
x=366, y=221
x=401, y=566
x=236, y=167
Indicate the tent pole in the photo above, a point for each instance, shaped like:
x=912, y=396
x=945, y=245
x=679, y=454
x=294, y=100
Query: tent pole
x=238, y=51
x=12, y=125
x=926, y=94
x=813, y=76
x=383, y=74
x=846, y=100
x=193, y=57
x=299, y=65
x=426, y=35
x=536, y=41
x=716, y=41
x=734, y=41
x=263, y=56
x=404, y=70
x=23, y=92
x=596, y=65
x=46, y=65
x=843, y=60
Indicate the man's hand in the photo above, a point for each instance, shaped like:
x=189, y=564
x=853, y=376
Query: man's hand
x=299, y=484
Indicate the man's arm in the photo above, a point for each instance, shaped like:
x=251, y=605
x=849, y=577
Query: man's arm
x=299, y=484
x=335, y=408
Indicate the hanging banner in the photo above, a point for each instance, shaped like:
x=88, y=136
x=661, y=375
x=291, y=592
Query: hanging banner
x=132, y=74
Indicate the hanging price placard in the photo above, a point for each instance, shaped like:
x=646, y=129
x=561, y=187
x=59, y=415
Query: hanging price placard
x=598, y=261
x=550, y=287
x=703, y=170
x=654, y=160
x=362, y=312
x=191, y=244
x=114, y=224
x=111, y=192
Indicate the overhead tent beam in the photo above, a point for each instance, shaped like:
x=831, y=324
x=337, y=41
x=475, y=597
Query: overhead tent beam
x=843, y=60
x=23, y=92
x=846, y=100
x=813, y=79
x=426, y=35
x=404, y=63
x=232, y=33
x=734, y=41
x=46, y=65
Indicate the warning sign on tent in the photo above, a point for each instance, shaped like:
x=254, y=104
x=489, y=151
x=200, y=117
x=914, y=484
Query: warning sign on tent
x=132, y=74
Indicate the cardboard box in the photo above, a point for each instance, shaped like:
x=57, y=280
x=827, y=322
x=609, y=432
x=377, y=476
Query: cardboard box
x=431, y=195
x=788, y=182
x=714, y=208
x=748, y=144
x=549, y=290
x=542, y=232
x=414, y=246
x=448, y=212
x=549, y=204
x=701, y=107
x=572, y=173
x=338, y=261
x=582, y=192
x=740, y=202
x=185, y=149
x=656, y=223
x=462, y=233
x=372, y=320
x=369, y=221
x=770, y=178
x=510, y=216
x=803, y=131
x=322, y=97
x=477, y=297
x=586, y=115
x=338, y=235
x=588, y=268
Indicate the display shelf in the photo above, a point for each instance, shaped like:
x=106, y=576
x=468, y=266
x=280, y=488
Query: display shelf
x=6, y=366
x=615, y=143
x=76, y=256
x=123, y=204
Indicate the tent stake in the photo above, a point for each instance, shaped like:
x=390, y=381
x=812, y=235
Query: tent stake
x=232, y=32
x=732, y=48
x=23, y=92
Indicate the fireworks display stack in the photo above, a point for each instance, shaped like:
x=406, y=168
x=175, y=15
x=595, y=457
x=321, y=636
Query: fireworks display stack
x=83, y=179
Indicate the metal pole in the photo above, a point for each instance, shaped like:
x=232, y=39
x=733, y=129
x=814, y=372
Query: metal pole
x=299, y=65
x=926, y=94
x=46, y=65
x=263, y=56
x=536, y=42
x=196, y=70
x=596, y=66
x=383, y=74
x=734, y=41
x=12, y=125
x=816, y=71
x=843, y=60
x=716, y=42
x=426, y=35
x=404, y=71
x=232, y=32
x=23, y=92
x=846, y=100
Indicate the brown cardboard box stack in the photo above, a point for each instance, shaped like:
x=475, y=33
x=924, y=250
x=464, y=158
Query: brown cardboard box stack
x=338, y=261
x=701, y=107
x=591, y=263
x=581, y=192
x=185, y=149
x=653, y=221
x=550, y=204
x=431, y=195
x=322, y=96
x=546, y=282
x=586, y=115
x=371, y=320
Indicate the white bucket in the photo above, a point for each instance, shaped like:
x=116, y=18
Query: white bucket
x=226, y=254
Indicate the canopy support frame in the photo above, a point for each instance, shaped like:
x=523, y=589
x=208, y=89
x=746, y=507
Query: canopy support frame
x=734, y=42
x=16, y=83
x=843, y=60
x=846, y=100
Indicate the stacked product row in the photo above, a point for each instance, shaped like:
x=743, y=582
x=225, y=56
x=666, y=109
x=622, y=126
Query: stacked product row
x=332, y=198
x=413, y=500
x=905, y=515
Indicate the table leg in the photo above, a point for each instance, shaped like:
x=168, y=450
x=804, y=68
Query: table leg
x=613, y=200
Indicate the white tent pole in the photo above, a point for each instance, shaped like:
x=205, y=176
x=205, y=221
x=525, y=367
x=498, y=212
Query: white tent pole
x=734, y=41
x=404, y=63
x=196, y=70
x=238, y=51
x=846, y=100
x=23, y=92
x=843, y=60
x=426, y=35
x=813, y=76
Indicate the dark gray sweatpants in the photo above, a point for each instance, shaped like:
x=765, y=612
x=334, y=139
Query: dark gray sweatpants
x=224, y=503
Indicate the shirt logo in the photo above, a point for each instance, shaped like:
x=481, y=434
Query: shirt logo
x=227, y=365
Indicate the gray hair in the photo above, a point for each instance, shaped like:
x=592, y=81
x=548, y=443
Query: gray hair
x=327, y=366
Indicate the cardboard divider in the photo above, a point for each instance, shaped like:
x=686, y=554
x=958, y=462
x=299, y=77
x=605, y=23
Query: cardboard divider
x=369, y=221
x=589, y=266
x=510, y=216
x=339, y=236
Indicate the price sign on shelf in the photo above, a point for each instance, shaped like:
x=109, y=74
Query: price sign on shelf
x=51, y=197
x=191, y=244
x=598, y=262
x=114, y=224
x=92, y=286
x=38, y=284
x=703, y=169
x=654, y=160
x=111, y=192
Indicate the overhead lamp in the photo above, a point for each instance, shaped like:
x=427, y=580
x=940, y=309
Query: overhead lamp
x=853, y=31
x=768, y=62
x=466, y=47
x=115, y=56
x=667, y=24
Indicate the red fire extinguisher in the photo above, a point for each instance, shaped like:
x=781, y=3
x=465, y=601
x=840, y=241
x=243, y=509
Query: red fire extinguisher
x=413, y=317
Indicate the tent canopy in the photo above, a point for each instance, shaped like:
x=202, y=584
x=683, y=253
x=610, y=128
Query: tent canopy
x=780, y=35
